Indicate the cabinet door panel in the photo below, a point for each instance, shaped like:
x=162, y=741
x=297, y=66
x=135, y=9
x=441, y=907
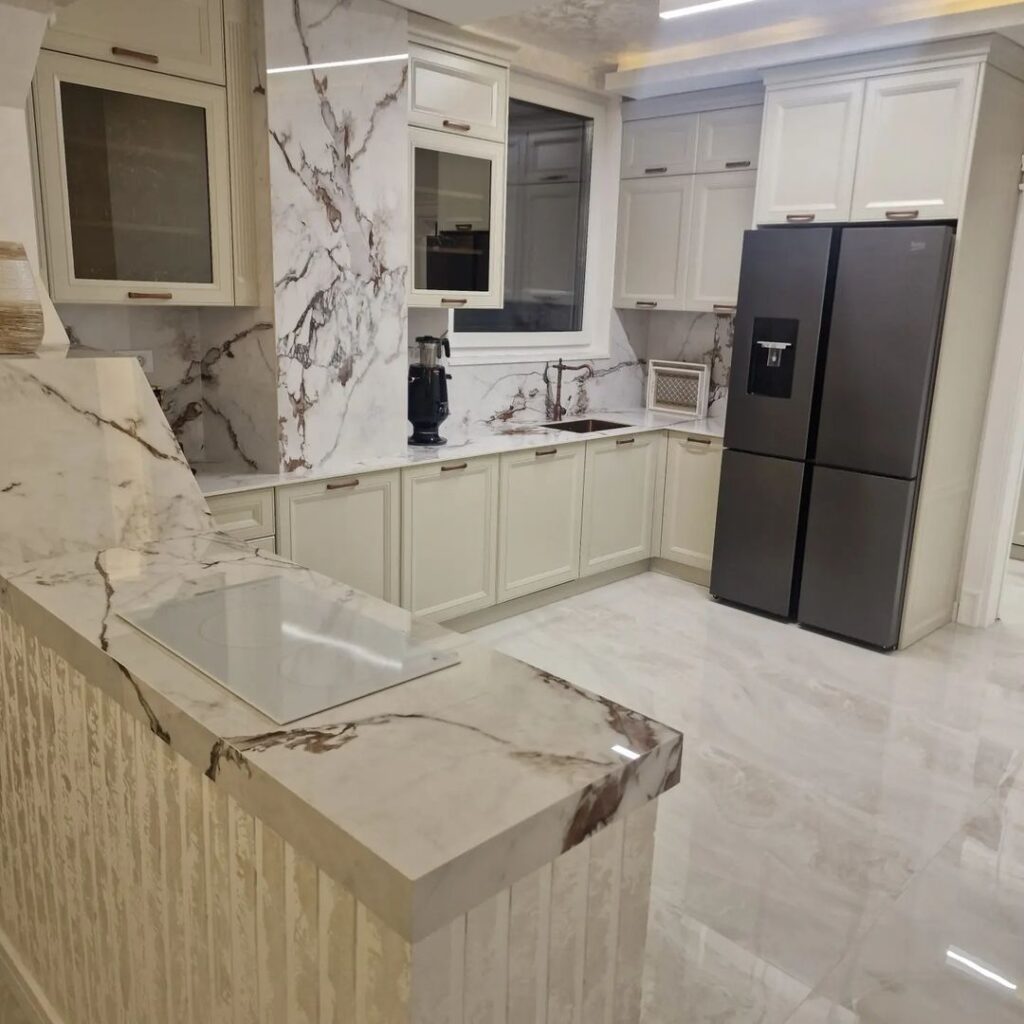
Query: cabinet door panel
x=457, y=95
x=179, y=37
x=728, y=140
x=248, y=515
x=619, y=501
x=693, y=470
x=660, y=146
x=915, y=145
x=539, y=523
x=654, y=230
x=347, y=529
x=809, y=153
x=723, y=209
x=450, y=537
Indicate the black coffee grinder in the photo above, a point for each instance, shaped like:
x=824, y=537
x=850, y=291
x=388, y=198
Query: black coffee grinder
x=428, y=390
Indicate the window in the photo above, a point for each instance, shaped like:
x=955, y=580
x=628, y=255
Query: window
x=547, y=208
x=562, y=198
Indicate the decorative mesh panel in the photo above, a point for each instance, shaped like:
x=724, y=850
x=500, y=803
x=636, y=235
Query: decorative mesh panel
x=679, y=390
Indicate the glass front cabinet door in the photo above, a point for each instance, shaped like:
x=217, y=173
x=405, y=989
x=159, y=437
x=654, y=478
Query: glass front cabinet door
x=458, y=224
x=134, y=184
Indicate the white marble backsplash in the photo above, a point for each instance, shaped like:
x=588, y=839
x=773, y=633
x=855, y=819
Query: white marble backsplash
x=339, y=204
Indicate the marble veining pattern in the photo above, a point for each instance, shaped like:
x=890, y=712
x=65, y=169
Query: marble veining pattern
x=844, y=820
x=338, y=180
x=88, y=437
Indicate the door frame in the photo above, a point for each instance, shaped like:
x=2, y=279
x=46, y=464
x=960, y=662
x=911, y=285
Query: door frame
x=997, y=487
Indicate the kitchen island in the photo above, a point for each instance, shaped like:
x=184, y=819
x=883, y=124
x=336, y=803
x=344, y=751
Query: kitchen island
x=474, y=844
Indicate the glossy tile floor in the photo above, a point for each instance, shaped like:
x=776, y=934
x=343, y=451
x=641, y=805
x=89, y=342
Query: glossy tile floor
x=847, y=843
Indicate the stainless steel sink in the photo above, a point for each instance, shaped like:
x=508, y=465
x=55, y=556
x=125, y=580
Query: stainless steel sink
x=585, y=426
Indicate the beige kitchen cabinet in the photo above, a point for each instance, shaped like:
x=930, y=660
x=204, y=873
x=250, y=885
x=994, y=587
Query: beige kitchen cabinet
x=134, y=182
x=729, y=140
x=450, y=537
x=177, y=37
x=915, y=144
x=809, y=152
x=660, y=146
x=347, y=529
x=458, y=95
x=693, y=470
x=723, y=209
x=653, y=242
x=540, y=518
x=618, y=504
x=246, y=515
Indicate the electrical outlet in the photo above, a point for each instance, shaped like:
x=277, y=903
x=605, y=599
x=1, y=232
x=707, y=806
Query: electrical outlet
x=145, y=358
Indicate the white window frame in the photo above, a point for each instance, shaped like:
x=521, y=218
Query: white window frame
x=593, y=341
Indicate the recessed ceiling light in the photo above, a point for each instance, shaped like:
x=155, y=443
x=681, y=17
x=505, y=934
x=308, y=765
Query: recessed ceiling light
x=704, y=8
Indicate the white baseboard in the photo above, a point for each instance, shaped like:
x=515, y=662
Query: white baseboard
x=33, y=1000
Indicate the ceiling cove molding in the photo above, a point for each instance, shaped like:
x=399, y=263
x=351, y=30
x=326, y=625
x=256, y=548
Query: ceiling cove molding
x=665, y=72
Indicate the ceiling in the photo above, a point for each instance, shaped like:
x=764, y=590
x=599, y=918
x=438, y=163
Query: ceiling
x=628, y=36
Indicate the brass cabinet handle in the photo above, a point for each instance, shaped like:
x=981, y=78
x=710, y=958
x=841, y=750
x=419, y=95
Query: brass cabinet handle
x=902, y=214
x=647, y=305
x=626, y=440
x=800, y=218
x=146, y=58
x=452, y=469
x=541, y=452
x=655, y=170
x=458, y=126
x=344, y=483
x=731, y=165
x=703, y=441
x=162, y=296
x=454, y=302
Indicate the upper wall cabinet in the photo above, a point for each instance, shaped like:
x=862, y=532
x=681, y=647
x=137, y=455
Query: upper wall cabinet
x=809, y=153
x=728, y=140
x=915, y=144
x=660, y=146
x=135, y=184
x=458, y=95
x=178, y=37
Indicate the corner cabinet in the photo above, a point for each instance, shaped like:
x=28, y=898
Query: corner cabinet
x=458, y=118
x=692, y=475
x=347, y=529
x=177, y=37
x=540, y=519
x=618, y=506
x=450, y=537
x=135, y=184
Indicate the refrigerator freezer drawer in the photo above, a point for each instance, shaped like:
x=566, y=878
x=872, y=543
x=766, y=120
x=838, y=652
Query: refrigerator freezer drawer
x=855, y=555
x=758, y=527
x=785, y=286
x=882, y=348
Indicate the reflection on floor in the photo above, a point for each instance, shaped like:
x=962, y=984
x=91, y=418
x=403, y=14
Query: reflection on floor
x=847, y=843
x=11, y=1010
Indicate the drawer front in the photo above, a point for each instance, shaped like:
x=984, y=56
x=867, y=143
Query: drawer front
x=458, y=95
x=248, y=515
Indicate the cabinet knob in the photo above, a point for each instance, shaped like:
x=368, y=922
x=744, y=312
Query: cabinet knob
x=625, y=440
x=456, y=126
x=800, y=218
x=146, y=58
x=902, y=214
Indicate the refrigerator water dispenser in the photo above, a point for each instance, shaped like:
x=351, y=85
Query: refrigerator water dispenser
x=773, y=357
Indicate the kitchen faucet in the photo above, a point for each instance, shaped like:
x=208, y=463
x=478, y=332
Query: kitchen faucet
x=558, y=411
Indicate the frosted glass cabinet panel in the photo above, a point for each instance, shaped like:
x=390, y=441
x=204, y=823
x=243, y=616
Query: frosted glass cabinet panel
x=134, y=183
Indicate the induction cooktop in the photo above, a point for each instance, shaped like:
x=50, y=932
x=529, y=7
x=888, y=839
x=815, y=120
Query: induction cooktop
x=287, y=649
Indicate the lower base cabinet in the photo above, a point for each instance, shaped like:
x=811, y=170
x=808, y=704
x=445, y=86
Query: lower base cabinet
x=693, y=470
x=450, y=537
x=618, y=507
x=347, y=529
x=540, y=519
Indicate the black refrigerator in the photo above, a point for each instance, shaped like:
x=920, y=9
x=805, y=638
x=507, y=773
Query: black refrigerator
x=836, y=344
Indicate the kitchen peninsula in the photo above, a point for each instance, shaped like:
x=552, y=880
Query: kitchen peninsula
x=473, y=844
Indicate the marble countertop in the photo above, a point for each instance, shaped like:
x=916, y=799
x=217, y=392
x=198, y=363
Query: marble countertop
x=214, y=479
x=425, y=799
